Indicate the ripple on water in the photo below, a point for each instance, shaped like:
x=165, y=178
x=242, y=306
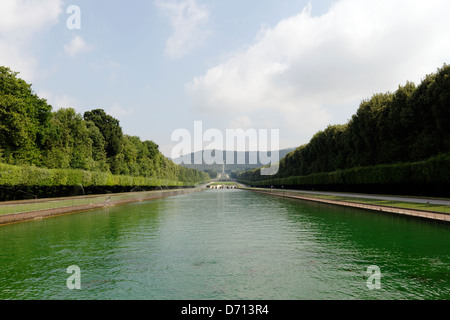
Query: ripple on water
x=225, y=244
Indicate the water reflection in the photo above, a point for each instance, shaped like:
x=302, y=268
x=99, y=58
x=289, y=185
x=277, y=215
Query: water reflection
x=225, y=244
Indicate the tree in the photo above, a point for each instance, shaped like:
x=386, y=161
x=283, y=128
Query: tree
x=364, y=129
x=31, y=134
x=24, y=120
x=410, y=125
x=109, y=128
x=69, y=144
x=98, y=147
x=396, y=125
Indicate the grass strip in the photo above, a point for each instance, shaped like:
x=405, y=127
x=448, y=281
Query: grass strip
x=379, y=202
x=27, y=206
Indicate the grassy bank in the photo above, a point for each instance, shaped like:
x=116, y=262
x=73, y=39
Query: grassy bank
x=429, y=177
x=376, y=202
x=14, y=207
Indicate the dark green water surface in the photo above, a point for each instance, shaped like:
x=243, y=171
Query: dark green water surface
x=225, y=244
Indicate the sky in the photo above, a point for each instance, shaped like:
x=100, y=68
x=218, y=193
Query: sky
x=157, y=66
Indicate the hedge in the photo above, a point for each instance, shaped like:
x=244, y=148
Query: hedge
x=11, y=175
x=435, y=170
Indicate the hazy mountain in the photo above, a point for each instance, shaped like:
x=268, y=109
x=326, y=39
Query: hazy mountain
x=242, y=160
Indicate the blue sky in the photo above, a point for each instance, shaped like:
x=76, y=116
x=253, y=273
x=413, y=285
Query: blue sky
x=158, y=66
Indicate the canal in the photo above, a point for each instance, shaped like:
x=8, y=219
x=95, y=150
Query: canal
x=226, y=244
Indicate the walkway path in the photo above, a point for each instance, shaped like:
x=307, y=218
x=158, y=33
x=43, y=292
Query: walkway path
x=444, y=202
x=397, y=210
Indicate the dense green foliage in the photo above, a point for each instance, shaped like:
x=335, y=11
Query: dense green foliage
x=387, y=135
x=34, y=176
x=435, y=170
x=109, y=128
x=39, y=146
x=24, y=120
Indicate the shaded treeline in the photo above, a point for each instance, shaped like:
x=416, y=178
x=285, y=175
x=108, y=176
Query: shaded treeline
x=407, y=126
x=34, y=135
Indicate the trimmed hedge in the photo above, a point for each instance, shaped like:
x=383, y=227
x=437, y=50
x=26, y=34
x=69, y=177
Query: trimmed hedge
x=435, y=170
x=11, y=175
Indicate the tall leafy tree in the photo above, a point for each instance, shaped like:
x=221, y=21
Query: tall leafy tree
x=24, y=120
x=109, y=128
x=409, y=125
x=31, y=134
x=98, y=147
x=69, y=144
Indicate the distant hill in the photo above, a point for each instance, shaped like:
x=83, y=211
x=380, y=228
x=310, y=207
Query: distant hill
x=237, y=166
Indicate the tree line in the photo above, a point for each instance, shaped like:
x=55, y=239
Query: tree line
x=409, y=125
x=33, y=134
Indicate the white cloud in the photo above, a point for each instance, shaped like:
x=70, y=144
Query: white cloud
x=13, y=57
x=76, y=46
x=108, y=67
x=297, y=75
x=119, y=112
x=189, y=21
x=58, y=101
x=19, y=21
x=20, y=17
x=242, y=121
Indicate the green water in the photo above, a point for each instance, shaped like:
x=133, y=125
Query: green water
x=225, y=244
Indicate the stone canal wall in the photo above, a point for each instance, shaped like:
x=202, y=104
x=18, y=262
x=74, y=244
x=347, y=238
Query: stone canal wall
x=408, y=212
x=29, y=210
